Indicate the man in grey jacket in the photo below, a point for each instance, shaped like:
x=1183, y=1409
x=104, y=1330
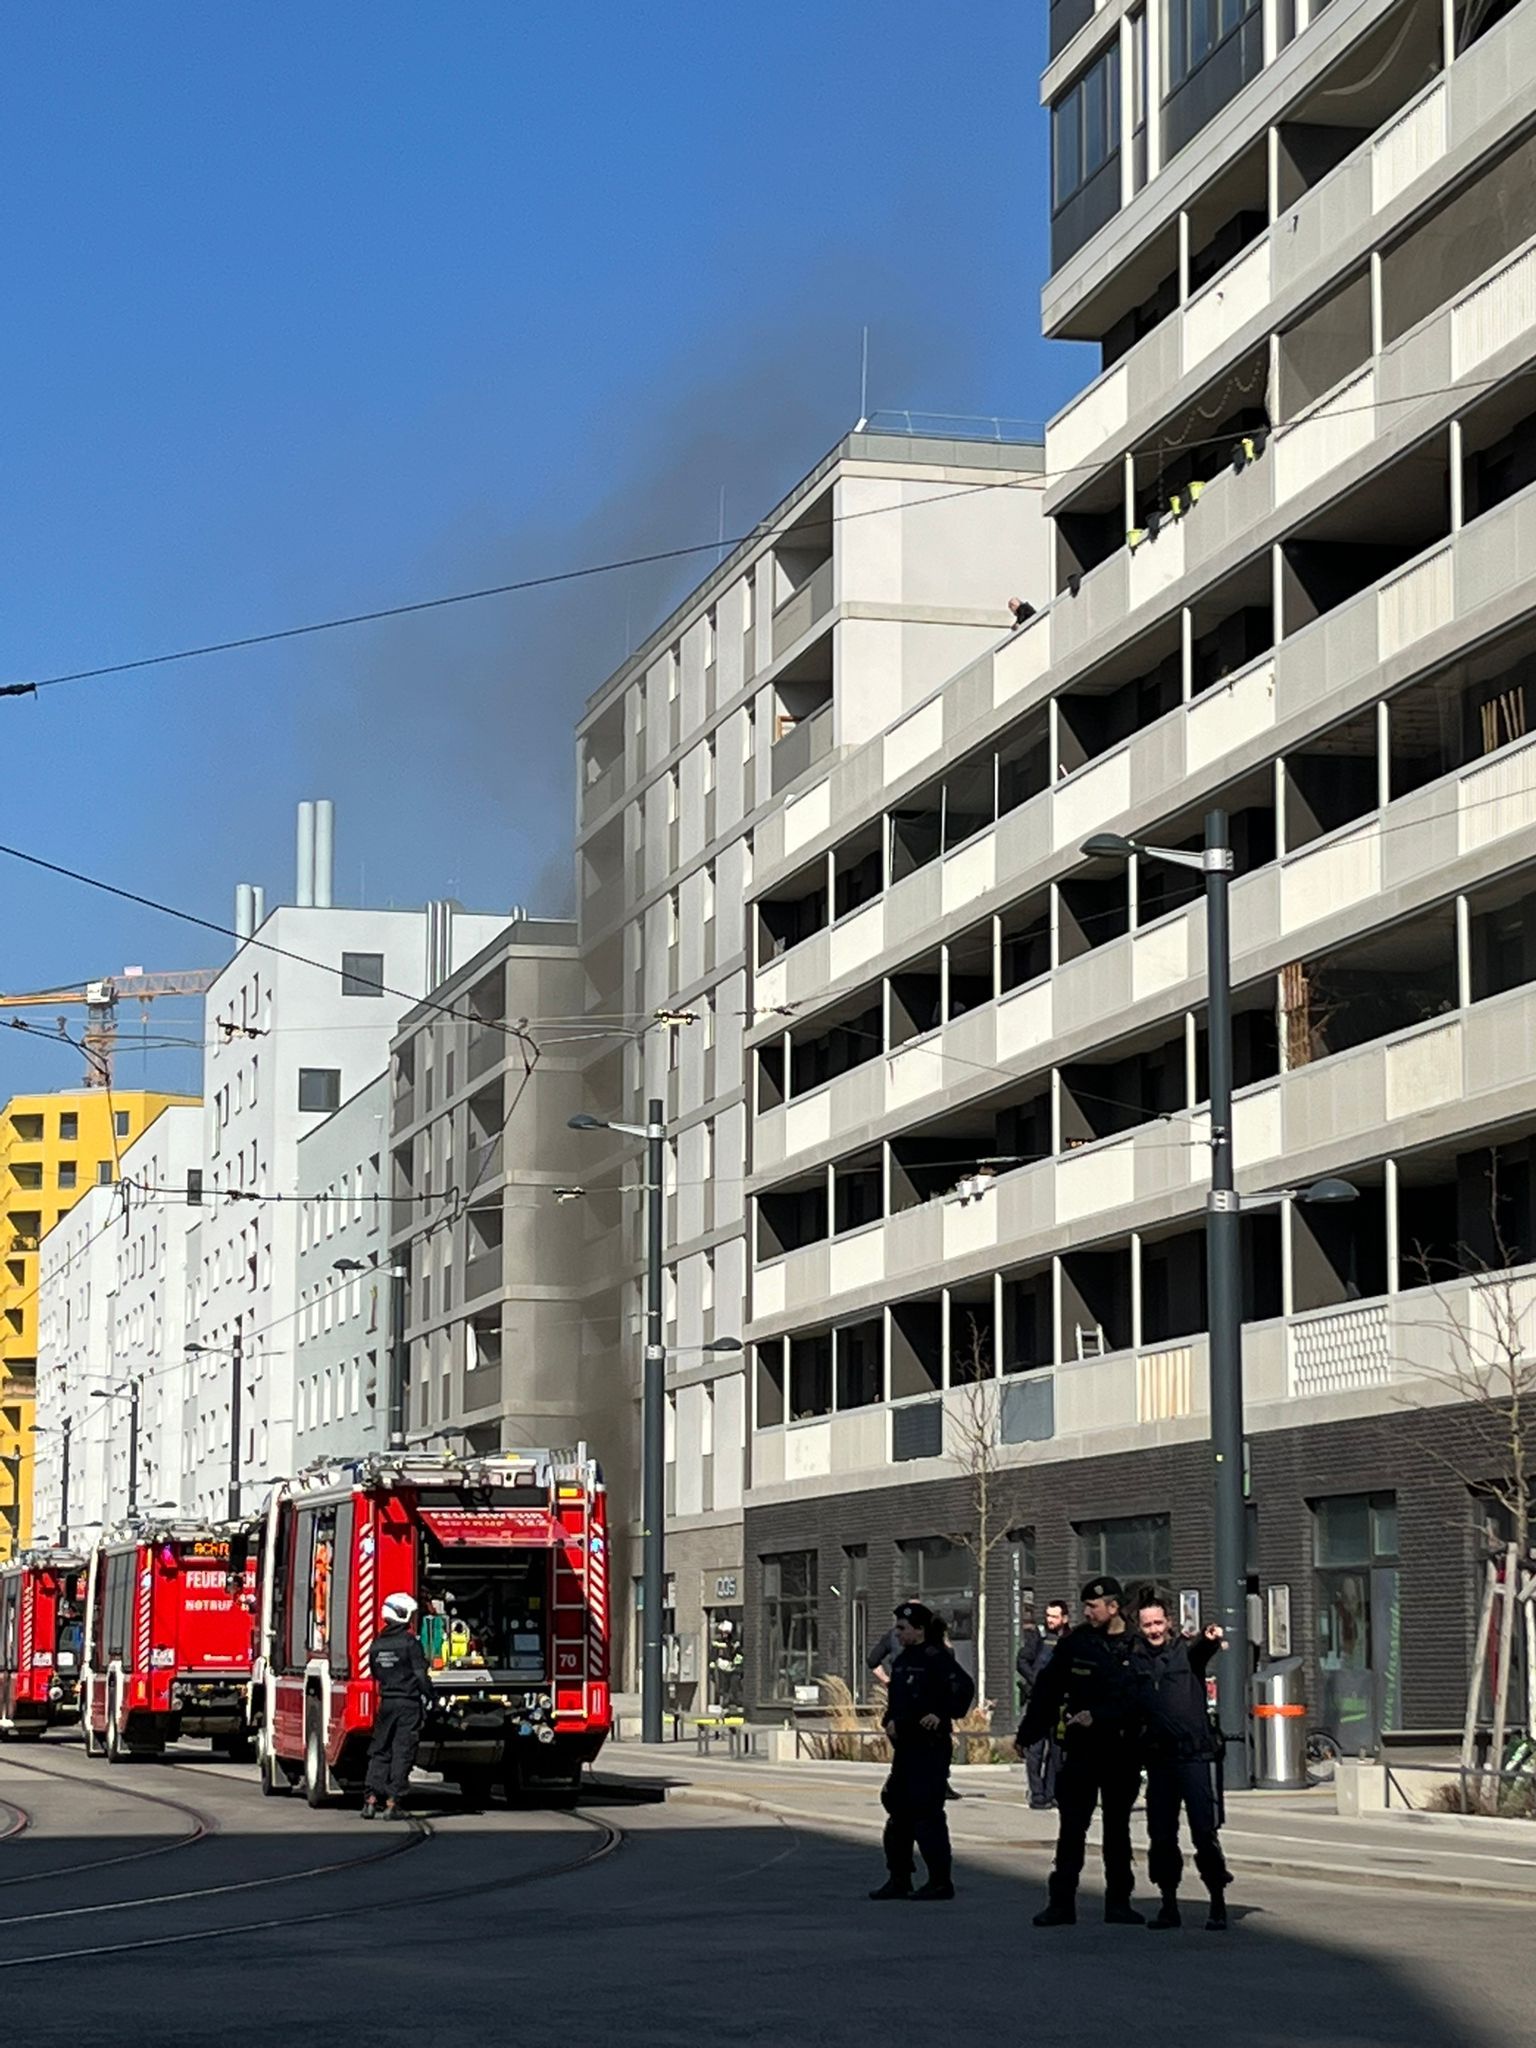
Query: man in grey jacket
x=1043, y=1758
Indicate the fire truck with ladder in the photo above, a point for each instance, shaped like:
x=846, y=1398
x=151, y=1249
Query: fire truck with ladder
x=507, y=1558
x=42, y=1612
x=169, y=1632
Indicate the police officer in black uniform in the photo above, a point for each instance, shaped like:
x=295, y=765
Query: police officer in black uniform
x=399, y=1668
x=1084, y=1699
x=928, y=1693
x=1179, y=1745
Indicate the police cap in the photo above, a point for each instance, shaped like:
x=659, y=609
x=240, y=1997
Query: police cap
x=1103, y=1589
x=915, y=1613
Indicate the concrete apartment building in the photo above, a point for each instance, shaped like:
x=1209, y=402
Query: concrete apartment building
x=1292, y=526
x=495, y=1258
x=883, y=571
x=297, y=1023
x=112, y=1295
x=342, y=1330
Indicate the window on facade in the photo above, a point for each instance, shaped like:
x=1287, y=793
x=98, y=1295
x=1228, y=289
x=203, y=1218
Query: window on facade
x=1359, y=1650
x=1085, y=128
x=120, y=1122
x=943, y=1575
x=362, y=974
x=69, y=1127
x=320, y=1088
x=790, y=1645
x=67, y=1172
x=1197, y=27
x=103, y=1173
x=1131, y=1548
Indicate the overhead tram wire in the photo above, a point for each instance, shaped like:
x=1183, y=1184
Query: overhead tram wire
x=760, y=533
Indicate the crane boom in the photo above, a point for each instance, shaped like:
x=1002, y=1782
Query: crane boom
x=101, y=998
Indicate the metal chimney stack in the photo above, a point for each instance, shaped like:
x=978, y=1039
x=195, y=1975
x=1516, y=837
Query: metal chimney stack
x=325, y=852
x=304, y=890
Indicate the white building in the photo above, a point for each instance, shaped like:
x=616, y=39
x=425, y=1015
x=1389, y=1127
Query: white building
x=111, y=1312
x=342, y=1330
x=297, y=1024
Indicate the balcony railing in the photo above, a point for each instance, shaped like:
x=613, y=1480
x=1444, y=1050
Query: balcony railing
x=798, y=613
x=801, y=747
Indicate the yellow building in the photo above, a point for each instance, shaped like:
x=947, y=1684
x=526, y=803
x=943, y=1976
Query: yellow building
x=52, y=1149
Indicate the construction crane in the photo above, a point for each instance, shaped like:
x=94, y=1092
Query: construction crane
x=101, y=998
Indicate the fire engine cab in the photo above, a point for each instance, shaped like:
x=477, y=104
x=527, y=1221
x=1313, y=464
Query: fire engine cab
x=507, y=1558
x=169, y=1631
x=42, y=1596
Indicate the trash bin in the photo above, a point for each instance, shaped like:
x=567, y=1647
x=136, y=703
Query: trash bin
x=1279, y=1726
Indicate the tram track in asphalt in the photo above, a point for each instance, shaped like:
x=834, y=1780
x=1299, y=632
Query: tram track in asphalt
x=206, y=1828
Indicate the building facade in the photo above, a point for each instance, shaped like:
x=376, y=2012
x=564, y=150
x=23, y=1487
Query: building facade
x=53, y=1150
x=111, y=1304
x=485, y=1221
x=1290, y=527
x=880, y=574
x=297, y=1023
x=341, y=1330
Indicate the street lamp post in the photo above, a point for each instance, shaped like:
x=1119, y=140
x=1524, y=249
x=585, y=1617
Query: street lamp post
x=1223, y=1257
x=653, y=1460
x=236, y=1356
x=133, y=1389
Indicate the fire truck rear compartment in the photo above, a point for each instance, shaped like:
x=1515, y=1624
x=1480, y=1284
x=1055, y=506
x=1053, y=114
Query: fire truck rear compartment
x=485, y=1612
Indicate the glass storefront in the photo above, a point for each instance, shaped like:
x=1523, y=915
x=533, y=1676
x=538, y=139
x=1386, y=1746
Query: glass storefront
x=1359, y=1626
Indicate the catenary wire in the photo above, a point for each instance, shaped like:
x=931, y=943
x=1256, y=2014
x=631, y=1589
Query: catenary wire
x=1031, y=480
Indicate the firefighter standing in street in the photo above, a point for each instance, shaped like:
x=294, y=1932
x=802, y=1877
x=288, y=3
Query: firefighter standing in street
x=1179, y=1746
x=1084, y=1698
x=399, y=1667
x=928, y=1693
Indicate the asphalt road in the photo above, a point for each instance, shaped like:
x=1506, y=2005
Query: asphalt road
x=169, y=1903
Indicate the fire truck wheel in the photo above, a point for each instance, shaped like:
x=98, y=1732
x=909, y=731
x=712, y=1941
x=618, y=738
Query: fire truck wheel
x=275, y=1781
x=118, y=1751
x=94, y=1746
x=316, y=1789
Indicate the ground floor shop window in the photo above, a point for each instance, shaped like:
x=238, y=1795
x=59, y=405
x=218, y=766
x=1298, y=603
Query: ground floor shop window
x=1359, y=1635
x=725, y=1660
x=943, y=1576
x=791, y=1649
x=855, y=1592
x=1136, y=1549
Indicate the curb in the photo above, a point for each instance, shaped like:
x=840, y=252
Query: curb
x=1345, y=1876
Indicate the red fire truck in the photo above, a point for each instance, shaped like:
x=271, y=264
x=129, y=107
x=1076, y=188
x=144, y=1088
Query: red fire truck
x=507, y=1557
x=42, y=1608
x=169, y=1631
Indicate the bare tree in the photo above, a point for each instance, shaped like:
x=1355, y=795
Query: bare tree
x=1482, y=1353
x=974, y=1426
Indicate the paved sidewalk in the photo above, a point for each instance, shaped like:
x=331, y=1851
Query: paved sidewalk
x=1288, y=1834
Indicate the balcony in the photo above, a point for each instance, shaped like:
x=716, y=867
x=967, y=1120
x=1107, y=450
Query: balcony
x=803, y=609
x=1331, y=222
x=803, y=745
x=603, y=790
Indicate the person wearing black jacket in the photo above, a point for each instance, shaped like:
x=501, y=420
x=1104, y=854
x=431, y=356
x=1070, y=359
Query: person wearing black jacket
x=1043, y=1758
x=928, y=1693
x=398, y=1665
x=1178, y=1745
x=1083, y=1698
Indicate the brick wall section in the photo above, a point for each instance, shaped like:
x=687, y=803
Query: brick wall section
x=1409, y=1453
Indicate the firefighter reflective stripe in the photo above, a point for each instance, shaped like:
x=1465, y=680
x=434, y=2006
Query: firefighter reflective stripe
x=141, y=1622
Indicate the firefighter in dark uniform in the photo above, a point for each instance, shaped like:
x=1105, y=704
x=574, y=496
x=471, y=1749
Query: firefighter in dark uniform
x=1179, y=1746
x=398, y=1665
x=928, y=1693
x=1084, y=1698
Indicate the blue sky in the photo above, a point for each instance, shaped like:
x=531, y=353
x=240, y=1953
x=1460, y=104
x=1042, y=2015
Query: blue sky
x=315, y=308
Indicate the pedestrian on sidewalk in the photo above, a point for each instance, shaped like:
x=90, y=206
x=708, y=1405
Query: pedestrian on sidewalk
x=928, y=1693
x=1083, y=1699
x=1043, y=1758
x=1179, y=1746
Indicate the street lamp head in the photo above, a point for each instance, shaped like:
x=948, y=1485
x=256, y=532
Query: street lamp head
x=1108, y=846
x=1331, y=1191
x=348, y=1266
x=723, y=1344
x=583, y=1122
